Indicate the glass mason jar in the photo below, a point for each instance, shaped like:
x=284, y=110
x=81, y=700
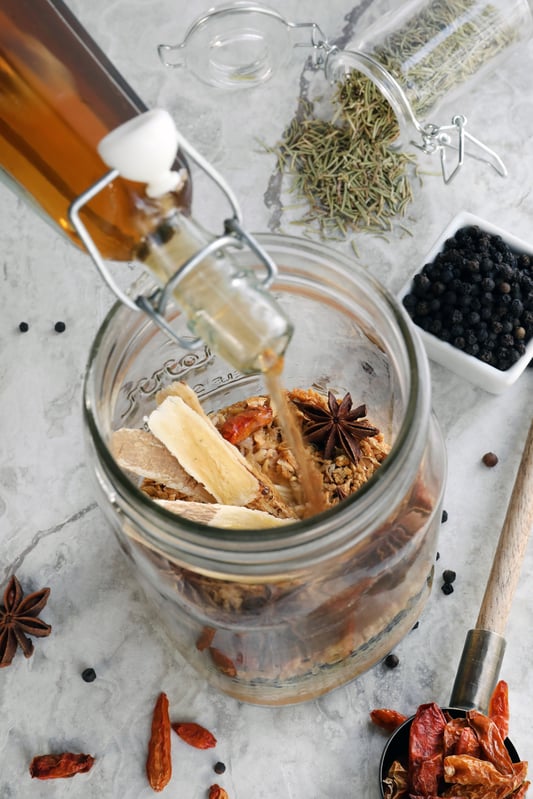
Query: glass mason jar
x=432, y=49
x=426, y=52
x=283, y=615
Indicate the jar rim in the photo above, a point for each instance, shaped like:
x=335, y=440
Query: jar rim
x=303, y=541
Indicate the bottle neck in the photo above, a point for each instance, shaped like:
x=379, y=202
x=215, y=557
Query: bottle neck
x=224, y=305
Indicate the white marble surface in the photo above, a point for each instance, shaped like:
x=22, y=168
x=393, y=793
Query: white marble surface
x=52, y=533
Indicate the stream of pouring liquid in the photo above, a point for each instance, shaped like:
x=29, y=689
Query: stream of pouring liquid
x=310, y=481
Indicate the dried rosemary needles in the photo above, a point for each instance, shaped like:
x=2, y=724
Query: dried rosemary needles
x=442, y=46
x=344, y=167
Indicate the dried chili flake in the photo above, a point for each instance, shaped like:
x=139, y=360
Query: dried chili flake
x=237, y=428
x=158, y=763
x=66, y=764
x=194, y=734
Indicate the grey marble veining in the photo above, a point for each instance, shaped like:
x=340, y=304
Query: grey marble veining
x=52, y=533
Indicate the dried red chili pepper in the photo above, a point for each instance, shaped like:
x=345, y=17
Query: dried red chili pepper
x=467, y=743
x=66, y=764
x=387, y=719
x=205, y=639
x=426, y=749
x=521, y=792
x=468, y=770
x=238, y=427
x=159, y=763
x=499, y=708
x=460, y=739
x=223, y=662
x=194, y=734
x=216, y=792
x=396, y=783
x=490, y=741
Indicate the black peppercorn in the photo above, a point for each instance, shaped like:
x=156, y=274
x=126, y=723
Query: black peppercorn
x=476, y=279
x=219, y=768
x=447, y=588
x=24, y=327
x=448, y=576
x=490, y=459
x=60, y=327
x=88, y=675
x=391, y=661
x=444, y=517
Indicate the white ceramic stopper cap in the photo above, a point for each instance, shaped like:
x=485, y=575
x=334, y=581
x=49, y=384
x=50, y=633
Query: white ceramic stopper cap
x=143, y=149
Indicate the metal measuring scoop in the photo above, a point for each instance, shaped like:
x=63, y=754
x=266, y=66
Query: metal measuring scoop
x=482, y=656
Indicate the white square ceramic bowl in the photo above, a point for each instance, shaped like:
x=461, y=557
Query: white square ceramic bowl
x=468, y=366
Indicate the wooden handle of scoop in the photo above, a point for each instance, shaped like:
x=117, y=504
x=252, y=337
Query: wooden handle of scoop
x=511, y=548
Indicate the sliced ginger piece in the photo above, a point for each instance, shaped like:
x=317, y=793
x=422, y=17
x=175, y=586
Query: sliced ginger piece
x=207, y=456
x=228, y=516
x=141, y=453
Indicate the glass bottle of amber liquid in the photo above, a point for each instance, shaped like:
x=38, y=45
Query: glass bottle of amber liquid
x=59, y=97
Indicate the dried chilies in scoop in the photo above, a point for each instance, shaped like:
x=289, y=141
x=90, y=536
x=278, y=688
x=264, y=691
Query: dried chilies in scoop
x=455, y=757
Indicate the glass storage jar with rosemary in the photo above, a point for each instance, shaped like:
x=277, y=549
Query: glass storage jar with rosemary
x=427, y=52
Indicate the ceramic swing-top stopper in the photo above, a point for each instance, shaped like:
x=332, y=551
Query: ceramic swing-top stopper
x=143, y=149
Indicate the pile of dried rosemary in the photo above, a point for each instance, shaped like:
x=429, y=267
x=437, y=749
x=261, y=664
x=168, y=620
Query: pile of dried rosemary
x=344, y=167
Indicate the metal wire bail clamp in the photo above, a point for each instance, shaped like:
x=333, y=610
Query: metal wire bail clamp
x=156, y=303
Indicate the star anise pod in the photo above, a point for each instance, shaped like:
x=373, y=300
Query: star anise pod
x=336, y=426
x=18, y=619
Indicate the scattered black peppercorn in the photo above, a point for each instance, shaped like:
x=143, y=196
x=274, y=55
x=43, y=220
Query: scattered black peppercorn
x=477, y=294
x=391, y=661
x=24, y=327
x=60, y=327
x=88, y=675
x=448, y=576
x=447, y=588
x=219, y=768
x=444, y=517
x=490, y=459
